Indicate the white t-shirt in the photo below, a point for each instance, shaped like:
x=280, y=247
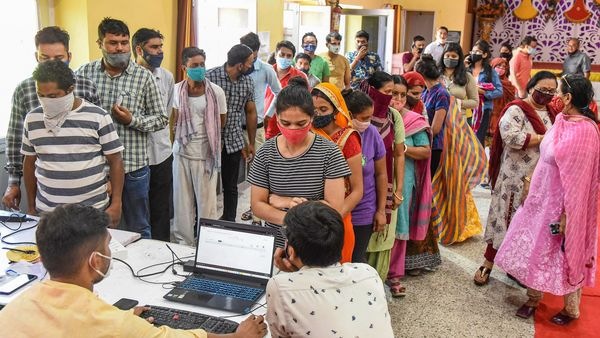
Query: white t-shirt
x=198, y=148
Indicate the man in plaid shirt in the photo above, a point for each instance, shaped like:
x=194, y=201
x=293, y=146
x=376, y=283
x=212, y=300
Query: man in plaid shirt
x=131, y=94
x=52, y=43
x=234, y=78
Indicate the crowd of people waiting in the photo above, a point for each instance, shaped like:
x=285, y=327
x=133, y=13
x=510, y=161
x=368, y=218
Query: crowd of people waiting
x=396, y=156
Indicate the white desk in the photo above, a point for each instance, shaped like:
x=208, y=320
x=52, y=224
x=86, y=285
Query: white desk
x=121, y=283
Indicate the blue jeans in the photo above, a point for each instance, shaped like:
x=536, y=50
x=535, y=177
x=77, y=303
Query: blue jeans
x=136, y=210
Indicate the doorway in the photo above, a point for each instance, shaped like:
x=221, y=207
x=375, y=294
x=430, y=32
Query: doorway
x=416, y=23
x=379, y=23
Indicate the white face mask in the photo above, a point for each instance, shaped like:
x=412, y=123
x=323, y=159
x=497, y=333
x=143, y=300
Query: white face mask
x=56, y=110
x=334, y=49
x=57, y=106
x=107, y=272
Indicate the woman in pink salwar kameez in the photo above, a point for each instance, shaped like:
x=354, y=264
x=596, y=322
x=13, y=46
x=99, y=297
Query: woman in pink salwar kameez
x=551, y=243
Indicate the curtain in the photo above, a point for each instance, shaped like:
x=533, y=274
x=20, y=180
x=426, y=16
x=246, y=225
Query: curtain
x=186, y=31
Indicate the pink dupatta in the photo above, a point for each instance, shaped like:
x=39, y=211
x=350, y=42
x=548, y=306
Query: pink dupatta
x=577, y=155
x=419, y=220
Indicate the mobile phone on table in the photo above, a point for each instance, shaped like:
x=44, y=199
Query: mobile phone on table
x=125, y=303
x=10, y=284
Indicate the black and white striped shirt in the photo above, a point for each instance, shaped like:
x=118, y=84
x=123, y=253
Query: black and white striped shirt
x=70, y=163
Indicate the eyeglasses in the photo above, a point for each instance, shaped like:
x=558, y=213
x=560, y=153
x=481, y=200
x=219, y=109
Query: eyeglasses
x=546, y=91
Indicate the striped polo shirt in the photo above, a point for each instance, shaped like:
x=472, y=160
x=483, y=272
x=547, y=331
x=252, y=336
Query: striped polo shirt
x=70, y=165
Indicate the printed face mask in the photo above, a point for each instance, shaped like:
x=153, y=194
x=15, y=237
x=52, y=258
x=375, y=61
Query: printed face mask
x=334, y=49
x=321, y=121
x=310, y=47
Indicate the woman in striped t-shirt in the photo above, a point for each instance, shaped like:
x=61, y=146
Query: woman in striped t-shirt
x=296, y=165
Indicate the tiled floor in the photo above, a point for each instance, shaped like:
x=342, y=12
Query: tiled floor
x=446, y=303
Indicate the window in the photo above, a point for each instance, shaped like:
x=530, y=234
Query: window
x=221, y=24
x=20, y=22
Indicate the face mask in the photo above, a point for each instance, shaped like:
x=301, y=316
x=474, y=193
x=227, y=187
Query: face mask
x=57, y=106
x=398, y=104
x=321, y=121
x=294, y=136
x=304, y=70
x=196, y=74
x=153, y=61
x=420, y=50
x=476, y=57
x=249, y=71
x=309, y=48
x=500, y=71
x=120, y=60
x=283, y=63
x=531, y=51
x=450, y=63
x=107, y=272
x=540, y=98
x=360, y=126
x=506, y=56
x=411, y=101
x=334, y=49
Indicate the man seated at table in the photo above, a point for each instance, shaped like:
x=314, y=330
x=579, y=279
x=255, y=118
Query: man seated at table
x=73, y=243
x=323, y=298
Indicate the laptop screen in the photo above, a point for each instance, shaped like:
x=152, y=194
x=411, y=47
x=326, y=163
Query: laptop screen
x=235, y=250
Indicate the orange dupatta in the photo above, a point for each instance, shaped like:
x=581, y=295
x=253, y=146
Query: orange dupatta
x=343, y=120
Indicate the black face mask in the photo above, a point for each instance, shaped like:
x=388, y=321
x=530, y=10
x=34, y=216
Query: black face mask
x=420, y=50
x=506, y=56
x=476, y=57
x=321, y=121
x=249, y=71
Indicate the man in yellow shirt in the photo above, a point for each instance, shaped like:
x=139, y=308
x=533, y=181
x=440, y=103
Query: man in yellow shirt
x=339, y=66
x=73, y=243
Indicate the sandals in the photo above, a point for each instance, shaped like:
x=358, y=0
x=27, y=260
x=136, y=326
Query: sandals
x=396, y=288
x=246, y=216
x=482, y=276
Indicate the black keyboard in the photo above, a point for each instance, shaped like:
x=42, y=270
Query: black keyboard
x=220, y=288
x=186, y=320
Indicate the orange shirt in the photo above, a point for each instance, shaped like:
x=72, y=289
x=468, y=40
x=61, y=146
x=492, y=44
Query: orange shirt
x=520, y=70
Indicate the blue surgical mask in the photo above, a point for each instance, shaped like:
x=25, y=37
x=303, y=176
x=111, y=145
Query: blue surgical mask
x=283, y=63
x=153, y=60
x=310, y=47
x=196, y=74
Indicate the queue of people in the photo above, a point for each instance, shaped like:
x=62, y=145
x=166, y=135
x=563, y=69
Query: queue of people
x=383, y=164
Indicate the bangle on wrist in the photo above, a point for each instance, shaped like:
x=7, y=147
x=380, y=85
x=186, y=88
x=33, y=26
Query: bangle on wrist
x=401, y=198
x=527, y=179
x=405, y=147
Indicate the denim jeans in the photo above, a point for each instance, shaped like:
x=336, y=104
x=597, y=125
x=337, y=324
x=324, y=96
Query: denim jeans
x=136, y=210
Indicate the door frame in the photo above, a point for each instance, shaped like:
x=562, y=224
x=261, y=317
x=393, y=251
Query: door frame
x=389, y=33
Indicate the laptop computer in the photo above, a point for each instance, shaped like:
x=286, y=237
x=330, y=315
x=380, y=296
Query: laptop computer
x=232, y=266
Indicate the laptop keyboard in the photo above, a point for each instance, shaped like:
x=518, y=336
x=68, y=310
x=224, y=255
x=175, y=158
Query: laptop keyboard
x=185, y=320
x=220, y=288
